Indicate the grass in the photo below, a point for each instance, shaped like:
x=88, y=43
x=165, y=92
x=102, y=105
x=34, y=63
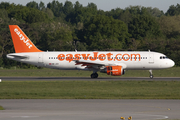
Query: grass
x=1, y=108
x=171, y=72
x=90, y=90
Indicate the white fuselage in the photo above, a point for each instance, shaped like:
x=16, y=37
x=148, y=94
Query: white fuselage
x=137, y=60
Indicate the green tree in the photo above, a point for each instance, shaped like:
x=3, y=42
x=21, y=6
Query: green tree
x=144, y=26
x=4, y=36
x=136, y=10
x=49, y=12
x=4, y=5
x=170, y=26
x=6, y=45
x=41, y=6
x=32, y=4
x=173, y=10
x=82, y=14
x=55, y=36
x=126, y=16
x=29, y=15
x=103, y=33
x=115, y=13
x=57, y=8
x=68, y=7
x=155, y=12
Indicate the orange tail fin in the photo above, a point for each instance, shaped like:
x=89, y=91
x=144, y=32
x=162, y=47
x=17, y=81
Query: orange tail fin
x=21, y=42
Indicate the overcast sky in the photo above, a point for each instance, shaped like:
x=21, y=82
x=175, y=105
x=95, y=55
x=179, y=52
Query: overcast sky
x=107, y=5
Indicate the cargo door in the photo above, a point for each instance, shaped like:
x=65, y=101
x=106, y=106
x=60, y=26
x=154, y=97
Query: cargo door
x=40, y=58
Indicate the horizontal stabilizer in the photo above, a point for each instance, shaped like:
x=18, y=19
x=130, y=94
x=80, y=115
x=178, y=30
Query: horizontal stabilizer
x=13, y=56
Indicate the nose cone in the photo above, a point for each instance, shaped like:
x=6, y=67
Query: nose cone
x=167, y=63
x=171, y=63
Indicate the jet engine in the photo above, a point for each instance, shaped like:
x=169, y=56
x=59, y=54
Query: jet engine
x=114, y=70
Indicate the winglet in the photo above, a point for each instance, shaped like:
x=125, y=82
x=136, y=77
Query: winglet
x=21, y=42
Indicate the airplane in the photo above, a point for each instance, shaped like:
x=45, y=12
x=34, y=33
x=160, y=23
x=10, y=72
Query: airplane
x=110, y=62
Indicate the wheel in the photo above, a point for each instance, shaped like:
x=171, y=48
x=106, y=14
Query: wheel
x=94, y=75
x=151, y=76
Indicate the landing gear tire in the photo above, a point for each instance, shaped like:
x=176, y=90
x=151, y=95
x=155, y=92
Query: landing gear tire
x=151, y=76
x=94, y=75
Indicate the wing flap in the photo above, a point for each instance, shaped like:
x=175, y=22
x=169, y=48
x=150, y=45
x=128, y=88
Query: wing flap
x=88, y=63
x=97, y=64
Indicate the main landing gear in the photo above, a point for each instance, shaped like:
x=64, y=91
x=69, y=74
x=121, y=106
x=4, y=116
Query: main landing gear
x=151, y=75
x=94, y=75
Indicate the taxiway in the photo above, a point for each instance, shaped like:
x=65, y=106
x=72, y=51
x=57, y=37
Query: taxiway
x=66, y=109
x=88, y=79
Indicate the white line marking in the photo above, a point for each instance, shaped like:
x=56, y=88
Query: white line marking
x=24, y=116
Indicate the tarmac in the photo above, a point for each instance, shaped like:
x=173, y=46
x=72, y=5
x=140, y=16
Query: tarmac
x=88, y=109
x=89, y=79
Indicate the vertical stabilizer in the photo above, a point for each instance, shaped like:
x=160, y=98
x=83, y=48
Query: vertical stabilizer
x=21, y=42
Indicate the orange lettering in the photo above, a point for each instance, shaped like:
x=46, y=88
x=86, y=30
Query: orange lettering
x=102, y=57
x=69, y=57
x=77, y=56
x=136, y=56
x=117, y=57
x=61, y=57
x=95, y=56
x=109, y=56
x=125, y=58
x=85, y=56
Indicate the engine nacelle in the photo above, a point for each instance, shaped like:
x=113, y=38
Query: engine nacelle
x=114, y=70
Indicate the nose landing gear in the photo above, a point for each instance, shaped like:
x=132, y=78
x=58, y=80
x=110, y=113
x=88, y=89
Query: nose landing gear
x=151, y=75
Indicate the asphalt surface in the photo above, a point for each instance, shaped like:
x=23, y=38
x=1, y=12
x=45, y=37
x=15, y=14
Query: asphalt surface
x=65, y=109
x=88, y=78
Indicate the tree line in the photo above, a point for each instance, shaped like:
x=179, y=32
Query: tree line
x=68, y=26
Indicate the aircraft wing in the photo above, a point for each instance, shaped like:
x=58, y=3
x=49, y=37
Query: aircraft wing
x=89, y=64
x=97, y=64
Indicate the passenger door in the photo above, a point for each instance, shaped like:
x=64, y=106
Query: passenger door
x=151, y=57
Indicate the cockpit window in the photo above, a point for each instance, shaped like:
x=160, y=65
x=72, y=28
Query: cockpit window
x=163, y=57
